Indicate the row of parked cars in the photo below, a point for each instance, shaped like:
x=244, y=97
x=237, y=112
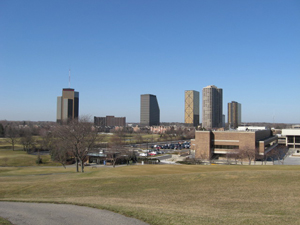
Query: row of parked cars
x=179, y=145
x=158, y=149
x=151, y=153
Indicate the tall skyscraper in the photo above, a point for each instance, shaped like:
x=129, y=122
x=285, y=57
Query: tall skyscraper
x=212, y=107
x=67, y=105
x=150, y=114
x=191, y=109
x=234, y=114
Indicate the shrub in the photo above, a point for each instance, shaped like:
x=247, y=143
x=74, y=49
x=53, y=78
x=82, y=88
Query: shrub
x=39, y=160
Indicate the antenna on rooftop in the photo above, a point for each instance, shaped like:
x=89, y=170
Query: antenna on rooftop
x=69, y=78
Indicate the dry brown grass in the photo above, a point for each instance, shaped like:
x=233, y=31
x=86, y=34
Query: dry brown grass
x=167, y=194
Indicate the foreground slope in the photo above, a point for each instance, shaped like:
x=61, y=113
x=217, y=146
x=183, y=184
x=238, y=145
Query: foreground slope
x=167, y=194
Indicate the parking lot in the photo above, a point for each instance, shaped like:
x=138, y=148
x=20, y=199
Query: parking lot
x=154, y=149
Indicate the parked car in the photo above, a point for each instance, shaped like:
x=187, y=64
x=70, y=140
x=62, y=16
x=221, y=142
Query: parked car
x=143, y=154
x=152, y=153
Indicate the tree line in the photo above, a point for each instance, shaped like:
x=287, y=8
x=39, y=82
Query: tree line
x=68, y=143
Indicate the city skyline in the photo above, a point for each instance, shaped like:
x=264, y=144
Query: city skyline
x=118, y=50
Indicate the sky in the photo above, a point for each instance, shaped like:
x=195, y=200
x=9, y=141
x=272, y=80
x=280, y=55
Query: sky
x=117, y=50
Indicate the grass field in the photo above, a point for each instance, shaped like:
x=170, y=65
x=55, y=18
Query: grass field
x=21, y=158
x=167, y=194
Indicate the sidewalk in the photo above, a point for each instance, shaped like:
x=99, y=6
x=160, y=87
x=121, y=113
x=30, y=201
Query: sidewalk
x=173, y=159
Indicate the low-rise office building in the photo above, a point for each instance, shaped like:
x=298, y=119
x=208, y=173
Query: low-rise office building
x=251, y=128
x=292, y=139
x=215, y=144
x=110, y=121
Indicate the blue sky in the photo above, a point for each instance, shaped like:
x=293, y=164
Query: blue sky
x=120, y=49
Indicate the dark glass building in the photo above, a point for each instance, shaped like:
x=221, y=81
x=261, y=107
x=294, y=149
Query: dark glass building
x=150, y=114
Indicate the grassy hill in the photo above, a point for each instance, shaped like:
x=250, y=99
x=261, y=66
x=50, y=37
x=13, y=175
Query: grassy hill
x=166, y=194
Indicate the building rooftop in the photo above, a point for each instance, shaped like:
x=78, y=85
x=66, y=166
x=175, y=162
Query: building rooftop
x=291, y=132
x=211, y=86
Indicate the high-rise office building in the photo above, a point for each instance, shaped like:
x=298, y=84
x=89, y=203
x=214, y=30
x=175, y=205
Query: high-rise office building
x=67, y=105
x=191, y=109
x=212, y=107
x=234, y=114
x=150, y=114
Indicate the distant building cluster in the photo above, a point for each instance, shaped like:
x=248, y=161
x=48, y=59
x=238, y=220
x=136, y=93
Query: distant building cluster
x=211, y=139
x=212, y=110
x=109, y=121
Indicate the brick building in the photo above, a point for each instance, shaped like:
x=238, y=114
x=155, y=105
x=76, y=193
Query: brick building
x=109, y=121
x=215, y=144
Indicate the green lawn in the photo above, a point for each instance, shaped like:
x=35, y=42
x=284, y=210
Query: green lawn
x=167, y=194
x=21, y=158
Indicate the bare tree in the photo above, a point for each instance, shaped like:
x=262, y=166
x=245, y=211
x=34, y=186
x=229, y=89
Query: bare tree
x=76, y=138
x=46, y=139
x=272, y=155
x=280, y=154
x=233, y=154
x=117, y=150
x=59, y=152
x=180, y=133
x=139, y=138
x=27, y=140
x=12, y=135
x=248, y=154
x=1, y=130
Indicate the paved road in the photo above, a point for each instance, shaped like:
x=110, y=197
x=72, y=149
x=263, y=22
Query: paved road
x=20, y=213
